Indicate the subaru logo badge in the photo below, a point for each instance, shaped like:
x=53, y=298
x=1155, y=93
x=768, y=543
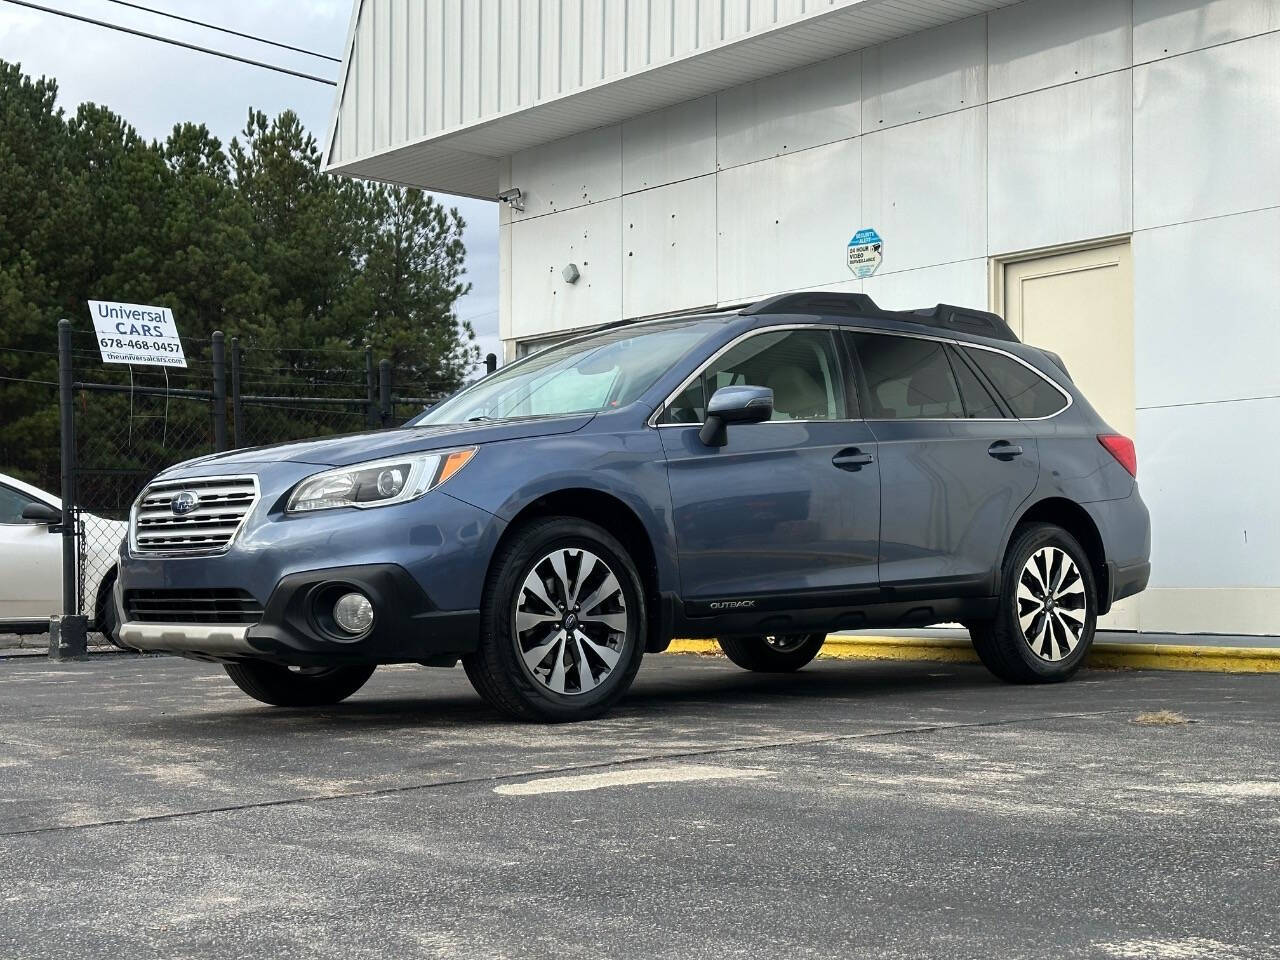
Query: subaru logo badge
x=183, y=503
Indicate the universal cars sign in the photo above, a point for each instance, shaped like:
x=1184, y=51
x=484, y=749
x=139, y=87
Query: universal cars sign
x=135, y=333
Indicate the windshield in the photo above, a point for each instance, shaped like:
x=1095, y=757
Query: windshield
x=604, y=372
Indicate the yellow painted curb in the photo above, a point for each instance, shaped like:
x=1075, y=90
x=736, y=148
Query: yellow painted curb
x=1131, y=656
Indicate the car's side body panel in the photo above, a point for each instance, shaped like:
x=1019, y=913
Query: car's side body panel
x=770, y=513
x=947, y=499
x=609, y=456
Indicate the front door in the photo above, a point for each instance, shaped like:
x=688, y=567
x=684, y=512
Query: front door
x=786, y=507
x=953, y=469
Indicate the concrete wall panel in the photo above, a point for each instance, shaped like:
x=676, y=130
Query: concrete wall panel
x=964, y=283
x=1059, y=164
x=669, y=248
x=542, y=302
x=678, y=143
x=1206, y=133
x=1166, y=28
x=568, y=173
x=1211, y=527
x=1207, y=310
x=925, y=74
x=790, y=112
x=924, y=190
x=784, y=223
x=1041, y=43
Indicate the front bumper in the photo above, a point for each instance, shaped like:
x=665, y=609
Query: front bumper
x=293, y=628
x=423, y=564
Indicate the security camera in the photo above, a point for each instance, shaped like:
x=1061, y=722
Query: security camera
x=513, y=197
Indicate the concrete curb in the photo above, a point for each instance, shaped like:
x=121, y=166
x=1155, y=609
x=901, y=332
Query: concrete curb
x=1125, y=656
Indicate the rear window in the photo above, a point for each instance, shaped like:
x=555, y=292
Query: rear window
x=1028, y=394
x=978, y=402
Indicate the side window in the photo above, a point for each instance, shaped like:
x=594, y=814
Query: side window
x=689, y=406
x=799, y=366
x=12, y=504
x=1028, y=394
x=907, y=378
x=978, y=402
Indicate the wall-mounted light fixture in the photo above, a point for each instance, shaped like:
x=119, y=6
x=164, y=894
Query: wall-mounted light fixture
x=514, y=198
x=571, y=273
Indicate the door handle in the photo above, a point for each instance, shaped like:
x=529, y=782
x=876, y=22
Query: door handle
x=1004, y=450
x=851, y=458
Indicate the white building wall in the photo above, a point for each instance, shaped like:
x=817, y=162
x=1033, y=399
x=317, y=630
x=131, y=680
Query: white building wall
x=1039, y=124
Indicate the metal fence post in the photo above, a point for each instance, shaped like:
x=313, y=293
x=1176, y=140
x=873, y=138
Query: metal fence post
x=384, y=391
x=237, y=404
x=219, y=392
x=68, y=633
x=371, y=389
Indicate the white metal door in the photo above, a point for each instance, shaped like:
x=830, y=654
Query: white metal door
x=1079, y=304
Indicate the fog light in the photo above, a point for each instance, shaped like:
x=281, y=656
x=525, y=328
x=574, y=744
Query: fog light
x=353, y=613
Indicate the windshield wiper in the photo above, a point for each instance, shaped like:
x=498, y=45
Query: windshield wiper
x=479, y=419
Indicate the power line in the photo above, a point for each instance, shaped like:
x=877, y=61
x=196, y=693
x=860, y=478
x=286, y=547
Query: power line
x=234, y=33
x=177, y=43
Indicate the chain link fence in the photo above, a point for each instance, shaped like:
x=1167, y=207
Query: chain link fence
x=129, y=423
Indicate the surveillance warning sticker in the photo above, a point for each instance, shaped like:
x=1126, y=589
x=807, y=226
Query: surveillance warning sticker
x=866, y=250
x=135, y=333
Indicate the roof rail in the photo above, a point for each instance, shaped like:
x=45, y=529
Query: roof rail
x=944, y=316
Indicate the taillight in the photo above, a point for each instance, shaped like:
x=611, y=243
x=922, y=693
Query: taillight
x=1122, y=449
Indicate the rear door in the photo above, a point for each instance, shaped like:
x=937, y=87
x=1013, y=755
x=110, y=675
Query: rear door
x=954, y=467
x=30, y=562
x=789, y=509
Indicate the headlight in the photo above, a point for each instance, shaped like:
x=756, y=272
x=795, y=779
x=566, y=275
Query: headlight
x=378, y=483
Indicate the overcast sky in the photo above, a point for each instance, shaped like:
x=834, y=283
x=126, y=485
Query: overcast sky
x=154, y=85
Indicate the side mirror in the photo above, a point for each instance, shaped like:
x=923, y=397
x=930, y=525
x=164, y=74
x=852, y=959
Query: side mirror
x=42, y=513
x=728, y=405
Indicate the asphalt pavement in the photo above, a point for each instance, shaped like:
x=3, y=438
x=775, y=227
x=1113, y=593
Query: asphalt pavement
x=856, y=809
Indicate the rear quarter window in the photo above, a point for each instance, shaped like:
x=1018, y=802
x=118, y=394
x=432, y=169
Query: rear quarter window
x=1029, y=395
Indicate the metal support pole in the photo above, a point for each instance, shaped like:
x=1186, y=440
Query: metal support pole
x=219, y=392
x=237, y=404
x=371, y=389
x=68, y=633
x=490, y=363
x=384, y=391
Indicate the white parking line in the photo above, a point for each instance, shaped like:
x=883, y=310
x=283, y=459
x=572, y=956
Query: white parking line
x=630, y=777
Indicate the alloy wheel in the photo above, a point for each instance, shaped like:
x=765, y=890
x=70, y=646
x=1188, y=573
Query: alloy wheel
x=570, y=621
x=1052, y=606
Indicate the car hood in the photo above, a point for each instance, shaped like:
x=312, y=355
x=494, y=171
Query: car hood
x=346, y=449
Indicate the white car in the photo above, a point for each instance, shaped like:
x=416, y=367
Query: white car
x=31, y=562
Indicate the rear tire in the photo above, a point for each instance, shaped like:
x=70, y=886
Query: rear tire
x=562, y=627
x=1048, y=609
x=308, y=687
x=773, y=654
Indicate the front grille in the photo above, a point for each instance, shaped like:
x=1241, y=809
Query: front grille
x=221, y=504
x=191, y=606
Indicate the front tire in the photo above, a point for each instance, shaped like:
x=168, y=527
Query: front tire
x=562, y=627
x=1048, y=609
x=773, y=654
x=297, y=687
x=109, y=626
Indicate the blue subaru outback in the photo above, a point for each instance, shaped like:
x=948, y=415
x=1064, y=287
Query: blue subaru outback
x=761, y=476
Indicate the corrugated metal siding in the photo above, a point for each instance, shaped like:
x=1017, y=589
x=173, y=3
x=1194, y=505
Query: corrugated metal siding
x=418, y=67
x=435, y=93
